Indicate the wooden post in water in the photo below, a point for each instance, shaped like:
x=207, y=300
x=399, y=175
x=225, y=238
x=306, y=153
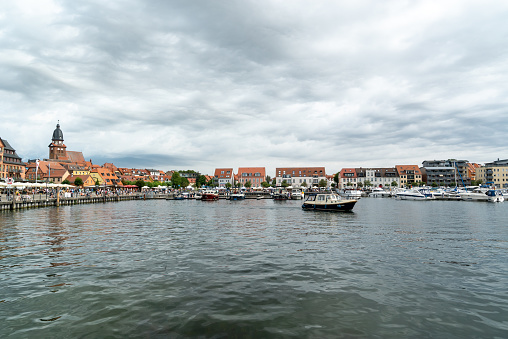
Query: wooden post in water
x=57, y=203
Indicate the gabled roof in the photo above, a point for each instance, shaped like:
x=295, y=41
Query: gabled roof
x=403, y=168
x=348, y=170
x=218, y=171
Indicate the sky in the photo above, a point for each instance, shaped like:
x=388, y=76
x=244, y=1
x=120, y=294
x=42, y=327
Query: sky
x=270, y=83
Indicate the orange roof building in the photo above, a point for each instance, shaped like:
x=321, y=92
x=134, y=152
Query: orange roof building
x=348, y=178
x=223, y=176
x=254, y=175
x=409, y=174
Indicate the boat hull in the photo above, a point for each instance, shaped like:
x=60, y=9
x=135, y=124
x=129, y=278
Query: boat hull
x=343, y=206
x=280, y=197
x=209, y=197
x=237, y=197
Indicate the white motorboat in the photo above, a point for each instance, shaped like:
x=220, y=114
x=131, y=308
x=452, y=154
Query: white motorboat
x=415, y=194
x=478, y=194
x=495, y=196
x=351, y=193
x=378, y=192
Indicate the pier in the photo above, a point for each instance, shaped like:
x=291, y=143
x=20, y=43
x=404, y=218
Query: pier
x=12, y=203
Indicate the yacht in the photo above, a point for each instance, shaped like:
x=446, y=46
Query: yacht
x=478, y=194
x=351, y=193
x=495, y=196
x=327, y=202
x=378, y=192
x=415, y=194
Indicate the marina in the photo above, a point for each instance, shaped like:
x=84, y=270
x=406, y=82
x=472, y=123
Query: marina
x=256, y=269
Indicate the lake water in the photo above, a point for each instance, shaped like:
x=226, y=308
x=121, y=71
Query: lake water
x=255, y=269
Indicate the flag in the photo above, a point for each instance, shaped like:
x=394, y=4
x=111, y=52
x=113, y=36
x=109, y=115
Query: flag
x=36, y=169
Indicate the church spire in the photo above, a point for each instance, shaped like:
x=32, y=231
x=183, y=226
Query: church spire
x=57, y=133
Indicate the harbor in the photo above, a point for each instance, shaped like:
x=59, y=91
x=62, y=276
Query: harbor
x=256, y=269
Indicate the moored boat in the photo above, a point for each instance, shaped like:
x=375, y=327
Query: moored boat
x=378, y=192
x=280, y=194
x=478, y=194
x=495, y=196
x=237, y=196
x=350, y=193
x=415, y=194
x=209, y=195
x=327, y=202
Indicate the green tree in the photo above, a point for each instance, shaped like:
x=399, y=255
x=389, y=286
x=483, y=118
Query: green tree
x=200, y=181
x=264, y=184
x=304, y=184
x=274, y=181
x=336, y=178
x=394, y=184
x=322, y=183
x=228, y=185
x=248, y=184
x=140, y=183
x=78, y=182
x=284, y=183
x=66, y=182
x=268, y=178
x=184, y=182
x=97, y=182
x=349, y=183
x=176, y=179
x=434, y=184
x=367, y=183
x=360, y=184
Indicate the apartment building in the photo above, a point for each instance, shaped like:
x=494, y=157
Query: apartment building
x=224, y=176
x=11, y=165
x=296, y=176
x=494, y=173
x=378, y=177
x=348, y=178
x=408, y=174
x=254, y=175
x=446, y=172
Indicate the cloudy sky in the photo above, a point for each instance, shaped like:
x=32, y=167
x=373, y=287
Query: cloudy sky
x=205, y=84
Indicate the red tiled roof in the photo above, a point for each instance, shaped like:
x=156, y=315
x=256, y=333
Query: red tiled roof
x=403, y=168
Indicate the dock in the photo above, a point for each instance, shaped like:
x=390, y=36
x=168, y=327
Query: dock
x=41, y=200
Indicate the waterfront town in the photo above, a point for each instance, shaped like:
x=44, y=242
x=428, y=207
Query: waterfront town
x=70, y=167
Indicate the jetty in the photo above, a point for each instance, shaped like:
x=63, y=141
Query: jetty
x=13, y=202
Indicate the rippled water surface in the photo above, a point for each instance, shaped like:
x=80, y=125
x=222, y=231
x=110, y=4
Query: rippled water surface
x=255, y=269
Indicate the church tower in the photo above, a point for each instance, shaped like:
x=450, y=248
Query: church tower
x=57, y=149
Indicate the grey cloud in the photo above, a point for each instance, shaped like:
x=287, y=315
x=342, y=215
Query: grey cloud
x=200, y=83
